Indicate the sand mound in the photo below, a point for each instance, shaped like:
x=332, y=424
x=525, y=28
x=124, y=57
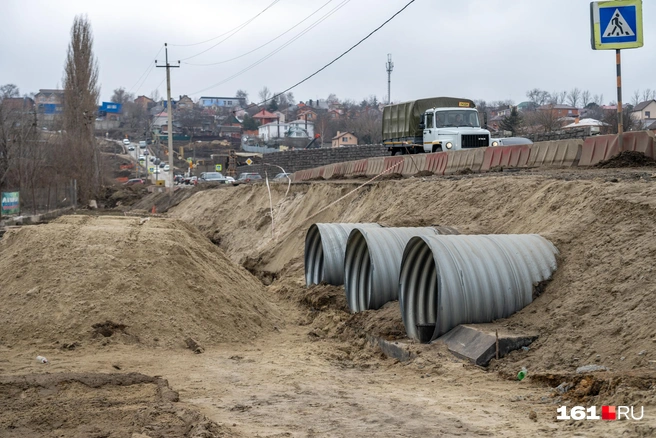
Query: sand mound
x=598, y=308
x=627, y=159
x=98, y=405
x=131, y=280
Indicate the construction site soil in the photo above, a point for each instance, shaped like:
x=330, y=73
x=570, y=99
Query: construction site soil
x=110, y=296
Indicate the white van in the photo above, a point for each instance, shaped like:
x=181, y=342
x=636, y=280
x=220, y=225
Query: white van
x=142, y=144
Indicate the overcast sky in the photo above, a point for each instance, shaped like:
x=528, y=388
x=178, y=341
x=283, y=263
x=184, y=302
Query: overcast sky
x=478, y=49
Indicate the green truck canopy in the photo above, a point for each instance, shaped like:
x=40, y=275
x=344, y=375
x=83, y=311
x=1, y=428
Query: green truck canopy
x=402, y=119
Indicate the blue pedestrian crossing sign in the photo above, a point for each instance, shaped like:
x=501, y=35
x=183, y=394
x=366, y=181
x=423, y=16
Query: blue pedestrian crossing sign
x=616, y=24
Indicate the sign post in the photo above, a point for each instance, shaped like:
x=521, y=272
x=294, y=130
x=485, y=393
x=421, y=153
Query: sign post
x=10, y=203
x=617, y=25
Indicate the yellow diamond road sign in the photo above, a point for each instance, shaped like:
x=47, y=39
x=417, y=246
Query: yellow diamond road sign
x=616, y=24
x=249, y=161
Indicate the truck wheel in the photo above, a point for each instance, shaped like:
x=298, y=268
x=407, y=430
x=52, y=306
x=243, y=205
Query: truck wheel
x=437, y=148
x=393, y=152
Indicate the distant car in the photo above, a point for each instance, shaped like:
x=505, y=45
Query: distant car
x=134, y=181
x=248, y=177
x=166, y=168
x=212, y=177
x=142, y=144
x=146, y=152
x=178, y=179
x=162, y=164
x=282, y=176
x=155, y=170
x=191, y=180
x=131, y=148
x=142, y=158
x=126, y=141
x=510, y=141
x=151, y=158
x=229, y=180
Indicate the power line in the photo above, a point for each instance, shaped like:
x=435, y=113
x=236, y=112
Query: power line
x=148, y=70
x=267, y=43
x=270, y=54
x=236, y=30
x=340, y=56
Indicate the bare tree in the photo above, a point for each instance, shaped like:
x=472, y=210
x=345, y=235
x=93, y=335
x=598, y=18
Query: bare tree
x=9, y=90
x=155, y=96
x=538, y=97
x=265, y=95
x=635, y=98
x=648, y=95
x=242, y=96
x=81, y=91
x=573, y=97
x=598, y=99
x=585, y=98
x=121, y=96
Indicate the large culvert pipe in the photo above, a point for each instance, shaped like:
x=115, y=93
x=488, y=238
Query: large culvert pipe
x=325, y=245
x=451, y=280
x=373, y=261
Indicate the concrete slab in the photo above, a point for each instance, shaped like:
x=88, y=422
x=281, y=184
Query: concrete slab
x=477, y=342
x=396, y=350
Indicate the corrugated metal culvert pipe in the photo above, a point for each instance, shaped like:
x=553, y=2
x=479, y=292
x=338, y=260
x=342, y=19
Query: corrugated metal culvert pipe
x=451, y=280
x=325, y=245
x=373, y=261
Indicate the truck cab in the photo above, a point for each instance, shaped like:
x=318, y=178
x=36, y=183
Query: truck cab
x=432, y=125
x=446, y=129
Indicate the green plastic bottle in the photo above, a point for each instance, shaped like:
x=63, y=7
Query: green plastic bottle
x=522, y=374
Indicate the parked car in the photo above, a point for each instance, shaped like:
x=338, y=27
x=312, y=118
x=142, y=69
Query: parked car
x=229, y=180
x=126, y=141
x=191, y=180
x=212, y=177
x=131, y=148
x=247, y=177
x=282, y=176
x=178, y=179
x=166, y=168
x=162, y=164
x=134, y=181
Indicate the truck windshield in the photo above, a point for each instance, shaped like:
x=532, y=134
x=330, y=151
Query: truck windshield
x=456, y=118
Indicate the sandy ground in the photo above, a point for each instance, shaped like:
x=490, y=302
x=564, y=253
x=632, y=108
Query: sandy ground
x=309, y=370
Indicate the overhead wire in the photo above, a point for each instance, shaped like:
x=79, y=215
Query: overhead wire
x=146, y=72
x=270, y=54
x=234, y=32
x=267, y=43
x=226, y=33
x=342, y=55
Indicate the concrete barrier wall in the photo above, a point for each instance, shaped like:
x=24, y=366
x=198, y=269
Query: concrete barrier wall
x=564, y=153
x=458, y=161
x=561, y=153
x=598, y=148
x=506, y=156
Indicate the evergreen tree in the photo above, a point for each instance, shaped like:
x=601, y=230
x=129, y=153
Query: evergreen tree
x=512, y=122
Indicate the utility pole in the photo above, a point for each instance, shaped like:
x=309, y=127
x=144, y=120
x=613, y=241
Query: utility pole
x=390, y=67
x=170, y=112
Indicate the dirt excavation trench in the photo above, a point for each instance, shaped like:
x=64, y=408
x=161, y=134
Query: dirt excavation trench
x=114, y=302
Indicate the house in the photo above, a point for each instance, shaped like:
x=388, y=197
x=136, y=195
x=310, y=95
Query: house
x=110, y=111
x=145, y=102
x=265, y=117
x=295, y=129
x=344, y=139
x=335, y=114
x=49, y=104
x=160, y=120
x=18, y=104
x=644, y=113
x=527, y=106
x=559, y=110
x=230, y=131
x=227, y=102
x=306, y=112
x=185, y=102
x=280, y=115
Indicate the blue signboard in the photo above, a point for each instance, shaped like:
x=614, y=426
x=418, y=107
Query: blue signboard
x=616, y=24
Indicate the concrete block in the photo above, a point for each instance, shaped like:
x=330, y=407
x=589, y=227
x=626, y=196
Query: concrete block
x=477, y=342
x=398, y=350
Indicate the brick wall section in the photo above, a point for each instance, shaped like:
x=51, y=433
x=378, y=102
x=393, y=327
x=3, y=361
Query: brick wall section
x=293, y=161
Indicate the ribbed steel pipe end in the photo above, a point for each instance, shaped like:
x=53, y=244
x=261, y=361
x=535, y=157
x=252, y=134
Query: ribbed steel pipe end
x=451, y=280
x=325, y=245
x=372, y=264
x=313, y=256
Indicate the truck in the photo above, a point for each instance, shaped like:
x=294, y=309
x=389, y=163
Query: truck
x=432, y=125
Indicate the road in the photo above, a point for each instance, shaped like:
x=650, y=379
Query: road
x=143, y=169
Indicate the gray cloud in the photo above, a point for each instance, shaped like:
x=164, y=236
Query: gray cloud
x=481, y=49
